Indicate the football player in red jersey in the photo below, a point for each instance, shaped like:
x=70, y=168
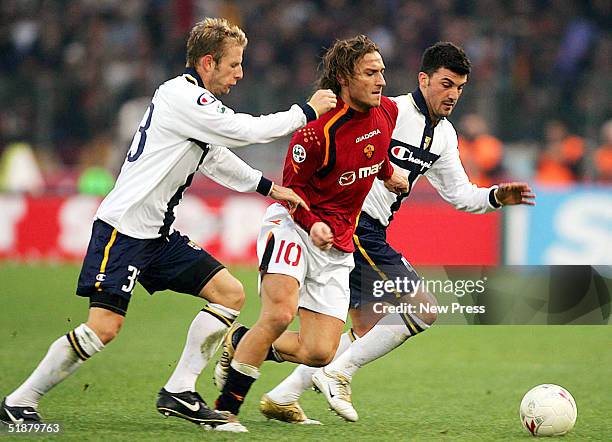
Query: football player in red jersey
x=305, y=259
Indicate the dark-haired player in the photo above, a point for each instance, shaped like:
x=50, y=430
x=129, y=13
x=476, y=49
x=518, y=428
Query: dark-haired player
x=424, y=142
x=305, y=260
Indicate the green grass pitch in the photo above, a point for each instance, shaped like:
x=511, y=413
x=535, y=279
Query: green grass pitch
x=451, y=383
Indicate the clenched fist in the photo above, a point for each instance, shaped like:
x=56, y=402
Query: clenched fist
x=323, y=101
x=398, y=183
x=321, y=235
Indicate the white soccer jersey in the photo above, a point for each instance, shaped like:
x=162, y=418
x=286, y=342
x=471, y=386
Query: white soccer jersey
x=182, y=131
x=417, y=149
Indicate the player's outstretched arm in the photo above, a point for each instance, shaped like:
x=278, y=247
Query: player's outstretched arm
x=322, y=101
x=397, y=183
x=509, y=194
x=280, y=193
x=321, y=235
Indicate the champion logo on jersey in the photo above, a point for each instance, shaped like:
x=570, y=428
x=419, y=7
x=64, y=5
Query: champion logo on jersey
x=405, y=154
x=206, y=98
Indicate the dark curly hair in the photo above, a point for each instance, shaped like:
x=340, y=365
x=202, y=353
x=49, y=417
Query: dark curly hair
x=445, y=54
x=339, y=61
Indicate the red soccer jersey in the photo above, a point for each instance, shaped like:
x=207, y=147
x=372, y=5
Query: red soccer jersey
x=332, y=163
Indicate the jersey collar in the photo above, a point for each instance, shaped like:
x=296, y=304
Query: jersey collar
x=192, y=76
x=419, y=101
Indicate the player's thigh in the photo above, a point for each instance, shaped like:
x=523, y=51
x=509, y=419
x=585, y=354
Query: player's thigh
x=279, y=299
x=280, y=247
x=111, y=267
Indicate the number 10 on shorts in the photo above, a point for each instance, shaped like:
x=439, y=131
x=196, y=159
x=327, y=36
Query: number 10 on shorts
x=290, y=252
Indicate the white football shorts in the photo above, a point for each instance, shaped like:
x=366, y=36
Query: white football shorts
x=285, y=248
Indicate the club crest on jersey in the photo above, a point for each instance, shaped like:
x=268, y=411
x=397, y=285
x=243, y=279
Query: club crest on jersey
x=347, y=178
x=205, y=99
x=368, y=151
x=299, y=153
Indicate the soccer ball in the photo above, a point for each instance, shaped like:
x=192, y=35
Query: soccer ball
x=548, y=410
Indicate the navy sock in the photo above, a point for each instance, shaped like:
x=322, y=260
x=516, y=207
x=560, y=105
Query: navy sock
x=235, y=390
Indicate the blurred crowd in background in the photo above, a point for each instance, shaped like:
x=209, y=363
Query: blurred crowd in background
x=76, y=77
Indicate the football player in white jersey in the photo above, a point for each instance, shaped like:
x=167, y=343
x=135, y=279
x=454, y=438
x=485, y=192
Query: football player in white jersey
x=424, y=142
x=183, y=131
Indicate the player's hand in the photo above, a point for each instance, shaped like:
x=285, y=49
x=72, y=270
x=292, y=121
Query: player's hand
x=321, y=235
x=280, y=193
x=323, y=101
x=398, y=183
x=510, y=194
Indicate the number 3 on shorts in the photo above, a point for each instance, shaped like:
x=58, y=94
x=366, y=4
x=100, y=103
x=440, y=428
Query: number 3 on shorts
x=290, y=257
x=131, y=279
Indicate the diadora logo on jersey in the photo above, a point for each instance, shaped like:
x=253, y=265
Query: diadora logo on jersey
x=348, y=178
x=404, y=154
x=368, y=151
x=205, y=99
x=299, y=153
x=367, y=136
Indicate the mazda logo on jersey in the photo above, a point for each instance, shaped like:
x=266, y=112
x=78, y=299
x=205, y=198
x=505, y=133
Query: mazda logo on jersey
x=206, y=98
x=347, y=178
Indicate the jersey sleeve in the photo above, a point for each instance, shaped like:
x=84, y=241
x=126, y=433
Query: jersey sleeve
x=448, y=177
x=386, y=171
x=304, y=158
x=391, y=112
x=225, y=168
x=207, y=119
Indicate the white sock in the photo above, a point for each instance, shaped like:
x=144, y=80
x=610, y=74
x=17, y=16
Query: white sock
x=65, y=355
x=390, y=332
x=300, y=379
x=203, y=339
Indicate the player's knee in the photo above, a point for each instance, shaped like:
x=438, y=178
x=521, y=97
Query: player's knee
x=234, y=294
x=280, y=317
x=319, y=357
x=319, y=353
x=107, y=330
x=104, y=323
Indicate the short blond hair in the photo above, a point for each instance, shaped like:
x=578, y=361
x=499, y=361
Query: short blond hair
x=212, y=36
